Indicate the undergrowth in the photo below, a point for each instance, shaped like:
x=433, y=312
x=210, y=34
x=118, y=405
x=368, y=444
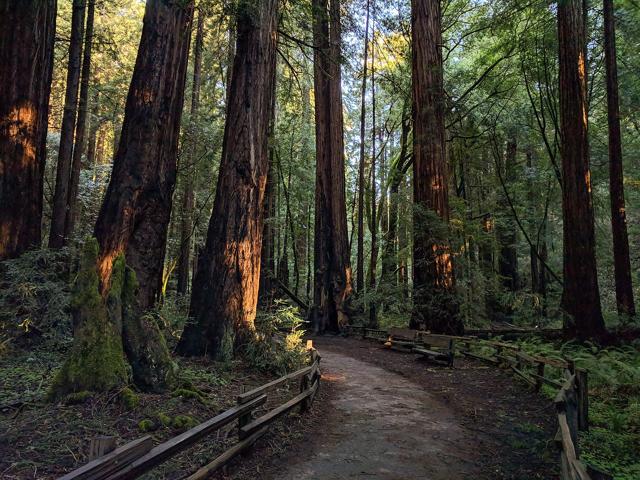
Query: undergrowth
x=612, y=443
x=277, y=345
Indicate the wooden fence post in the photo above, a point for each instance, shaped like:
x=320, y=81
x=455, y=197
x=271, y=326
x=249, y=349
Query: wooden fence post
x=540, y=373
x=582, y=385
x=244, y=418
x=100, y=446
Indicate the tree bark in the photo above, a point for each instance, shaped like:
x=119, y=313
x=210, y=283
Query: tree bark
x=622, y=263
x=57, y=237
x=27, y=29
x=135, y=212
x=580, y=296
x=81, y=125
x=373, y=220
x=188, y=201
x=94, y=126
x=225, y=292
x=435, y=303
x=361, y=165
x=136, y=209
x=332, y=282
x=508, y=259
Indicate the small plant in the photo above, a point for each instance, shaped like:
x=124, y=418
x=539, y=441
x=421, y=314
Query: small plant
x=271, y=349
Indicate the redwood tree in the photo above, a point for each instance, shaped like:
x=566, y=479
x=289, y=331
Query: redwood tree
x=361, y=165
x=189, y=170
x=332, y=282
x=81, y=125
x=225, y=290
x=27, y=30
x=57, y=237
x=580, y=296
x=622, y=263
x=121, y=269
x=435, y=305
x=137, y=206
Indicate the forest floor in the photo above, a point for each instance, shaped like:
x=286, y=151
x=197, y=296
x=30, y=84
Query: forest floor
x=390, y=415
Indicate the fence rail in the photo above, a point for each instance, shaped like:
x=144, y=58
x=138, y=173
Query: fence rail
x=135, y=458
x=572, y=400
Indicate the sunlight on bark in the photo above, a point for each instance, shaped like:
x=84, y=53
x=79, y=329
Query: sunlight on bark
x=21, y=123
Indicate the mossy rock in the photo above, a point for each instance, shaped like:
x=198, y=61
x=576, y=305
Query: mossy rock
x=129, y=398
x=78, y=397
x=183, y=422
x=96, y=362
x=187, y=394
x=147, y=425
x=164, y=419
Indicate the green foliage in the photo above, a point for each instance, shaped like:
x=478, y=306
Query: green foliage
x=34, y=300
x=613, y=441
x=269, y=350
x=164, y=419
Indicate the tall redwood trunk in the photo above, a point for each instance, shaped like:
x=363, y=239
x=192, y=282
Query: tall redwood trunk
x=94, y=126
x=59, y=214
x=190, y=169
x=361, y=165
x=225, y=292
x=390, y=260
x=135, y=212
x=581, y=295
x=622, y=263
x=332, y=282
x=435, y=305
x=506, y=231
x=27, y=29
x=81, y=125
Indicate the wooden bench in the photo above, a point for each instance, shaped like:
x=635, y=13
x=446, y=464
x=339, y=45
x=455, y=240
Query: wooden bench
x=435, y=347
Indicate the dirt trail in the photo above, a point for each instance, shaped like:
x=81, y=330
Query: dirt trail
x=383, y=426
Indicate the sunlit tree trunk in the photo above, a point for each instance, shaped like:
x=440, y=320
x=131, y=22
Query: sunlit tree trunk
x=225, y=291
x=361, y=165
x=332, y=282
x=81, y=125
x=622, y=263
x=63, y=173
x=435, y=303
x=580, y=296
x=190, y=169
x=27, y=30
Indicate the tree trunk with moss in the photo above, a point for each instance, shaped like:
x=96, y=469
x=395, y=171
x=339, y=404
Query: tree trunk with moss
x=97, y=361
x=225, y=291
x=135, y=212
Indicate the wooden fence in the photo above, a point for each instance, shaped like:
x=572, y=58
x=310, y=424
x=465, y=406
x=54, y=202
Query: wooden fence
x=132, y=460
x=572, y=400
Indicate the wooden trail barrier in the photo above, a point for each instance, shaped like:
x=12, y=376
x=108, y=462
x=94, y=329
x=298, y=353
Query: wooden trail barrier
x=572, y=400
x=135, y=458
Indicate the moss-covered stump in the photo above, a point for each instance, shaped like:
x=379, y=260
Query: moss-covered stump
x=96, y=362
x=108, y=332
x=146, y=349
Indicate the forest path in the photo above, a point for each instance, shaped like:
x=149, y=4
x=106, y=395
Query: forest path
x=382, y=426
